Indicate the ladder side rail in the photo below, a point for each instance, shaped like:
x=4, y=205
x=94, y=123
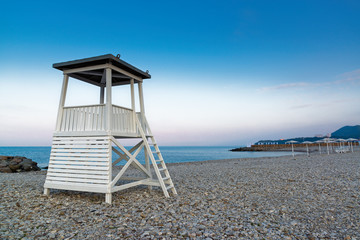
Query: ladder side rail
x=157, y=149
x=158, y=174
x=163, y=165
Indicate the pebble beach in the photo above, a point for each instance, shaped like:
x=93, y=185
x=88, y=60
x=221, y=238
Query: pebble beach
x=316, y=197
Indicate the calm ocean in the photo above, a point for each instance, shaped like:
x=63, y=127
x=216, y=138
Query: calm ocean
x=170, y=154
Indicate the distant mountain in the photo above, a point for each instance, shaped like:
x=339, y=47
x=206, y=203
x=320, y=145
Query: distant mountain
x=347, y=132
x=344, y=132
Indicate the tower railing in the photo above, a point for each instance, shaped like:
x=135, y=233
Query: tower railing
x=91, y=119
x=123, y=120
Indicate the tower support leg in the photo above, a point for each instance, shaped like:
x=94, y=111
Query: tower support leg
x=108, y=198
x=47, y=191
x=147, y=163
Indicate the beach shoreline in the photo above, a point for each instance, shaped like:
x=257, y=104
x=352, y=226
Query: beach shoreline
x=267, y=197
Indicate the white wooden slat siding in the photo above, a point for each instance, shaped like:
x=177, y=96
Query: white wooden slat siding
x=80, y=163
x=85, y=125
x=68, y=120
x=82, y=150
x=88, y=156
x=114, y=116
x=80, y=141
x=81, y=146
x=80, y=167
x=90, y=120
x=82, y=118
x=92, y=117
x=81, y=121
x=87, y=176
x=71, y=121
x=122, y=120
x=90, y=173
x=84, y=187
x=78, y=180
x=94, y=139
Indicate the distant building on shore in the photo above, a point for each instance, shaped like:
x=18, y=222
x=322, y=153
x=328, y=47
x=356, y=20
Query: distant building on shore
x=344, y=132
x=268, y=142
x=283, y=141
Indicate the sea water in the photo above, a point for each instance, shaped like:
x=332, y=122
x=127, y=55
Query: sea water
x=170, y=154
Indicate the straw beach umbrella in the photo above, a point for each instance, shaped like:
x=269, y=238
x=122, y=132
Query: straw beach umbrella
x=340, y=140
x=292, y=146
x=351, y=140
x=341, y=148
x=332, y=140
x=307, y=147
x=319, y=142
x=327, y=140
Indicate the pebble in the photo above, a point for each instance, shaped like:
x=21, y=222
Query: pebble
x=314, y=197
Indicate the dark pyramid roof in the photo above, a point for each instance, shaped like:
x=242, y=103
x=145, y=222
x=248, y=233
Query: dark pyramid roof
x=95, y=76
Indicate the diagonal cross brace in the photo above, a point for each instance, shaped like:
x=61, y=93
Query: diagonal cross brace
x=122, y=171
x=123, y=156
x=132, y=158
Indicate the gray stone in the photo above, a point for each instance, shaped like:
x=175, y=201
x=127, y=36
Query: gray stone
x=10, y=164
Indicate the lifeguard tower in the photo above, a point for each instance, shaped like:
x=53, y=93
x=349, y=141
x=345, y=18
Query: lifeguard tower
x=86, y=136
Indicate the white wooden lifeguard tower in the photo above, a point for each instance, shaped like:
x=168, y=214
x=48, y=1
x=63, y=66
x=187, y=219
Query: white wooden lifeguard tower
x=86, y=136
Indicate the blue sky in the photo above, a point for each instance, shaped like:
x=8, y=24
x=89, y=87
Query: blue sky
x=223, y=72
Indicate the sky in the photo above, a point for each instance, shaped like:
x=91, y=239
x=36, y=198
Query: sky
x=225, y=73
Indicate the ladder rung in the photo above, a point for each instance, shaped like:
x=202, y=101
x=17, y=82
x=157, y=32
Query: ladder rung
x=156, y=152
x=162, y=169
x=166, y=178
x=169, y=187
x=158, y=160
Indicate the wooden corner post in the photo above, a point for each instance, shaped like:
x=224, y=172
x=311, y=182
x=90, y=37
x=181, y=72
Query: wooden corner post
x=108, y=101
x=62, y=101
x=142, y=107
x=102, y=94
x=142, y=121
x=108, y=195
x=133, y=104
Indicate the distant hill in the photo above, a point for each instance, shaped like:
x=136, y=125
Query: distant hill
x=344, y=132
x=347, y=132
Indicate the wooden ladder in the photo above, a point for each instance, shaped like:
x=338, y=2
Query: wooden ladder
x=158, y=163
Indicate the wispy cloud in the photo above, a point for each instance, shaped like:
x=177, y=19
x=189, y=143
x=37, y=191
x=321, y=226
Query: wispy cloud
x=348, y=77
x=301, y=106
x=326, y=103
x=353, y=76
x=288, y=86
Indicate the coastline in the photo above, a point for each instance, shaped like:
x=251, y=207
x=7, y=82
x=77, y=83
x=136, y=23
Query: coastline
x=170, y=153
x=302, y=149
x=267, y=197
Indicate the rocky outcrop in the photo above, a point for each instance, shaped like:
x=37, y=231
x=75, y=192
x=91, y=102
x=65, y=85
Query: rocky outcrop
x=246, y=149
x=10, y=164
